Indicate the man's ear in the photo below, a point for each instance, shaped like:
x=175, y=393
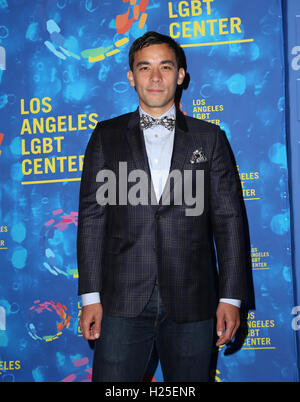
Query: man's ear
x=130, y=78
x=181, y=75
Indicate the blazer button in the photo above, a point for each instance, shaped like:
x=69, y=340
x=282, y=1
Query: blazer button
x=157, y=216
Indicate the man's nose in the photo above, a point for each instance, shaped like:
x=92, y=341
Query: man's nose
x=156, y=75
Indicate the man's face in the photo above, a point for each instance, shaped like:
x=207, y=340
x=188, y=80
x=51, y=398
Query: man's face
x=155, y=76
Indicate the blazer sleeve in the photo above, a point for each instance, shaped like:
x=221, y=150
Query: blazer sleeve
x=91, y=219
x=228, y=221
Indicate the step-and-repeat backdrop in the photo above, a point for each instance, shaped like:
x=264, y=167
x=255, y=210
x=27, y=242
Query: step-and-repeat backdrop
x=292, y=51
x=63, y=67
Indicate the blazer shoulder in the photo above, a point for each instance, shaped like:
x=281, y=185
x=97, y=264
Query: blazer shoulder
x=112, y=130
x=116, y=122
x=201, y=125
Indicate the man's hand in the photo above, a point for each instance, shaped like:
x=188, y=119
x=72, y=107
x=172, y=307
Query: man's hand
x=228, y=319
x=90, y=321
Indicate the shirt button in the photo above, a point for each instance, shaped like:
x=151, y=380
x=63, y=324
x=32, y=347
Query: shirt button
x=155, y=135
x=155, y=160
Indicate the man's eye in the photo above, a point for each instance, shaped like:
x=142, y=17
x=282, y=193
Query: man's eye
x=166, y=67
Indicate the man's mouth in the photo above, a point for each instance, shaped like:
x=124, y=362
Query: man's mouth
x=154, y=90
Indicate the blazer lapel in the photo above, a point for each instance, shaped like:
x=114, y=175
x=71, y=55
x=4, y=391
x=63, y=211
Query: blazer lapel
x=138, y=149
x=180, y=148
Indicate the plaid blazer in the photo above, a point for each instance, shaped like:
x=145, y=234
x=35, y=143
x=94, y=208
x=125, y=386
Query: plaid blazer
x=122, y=249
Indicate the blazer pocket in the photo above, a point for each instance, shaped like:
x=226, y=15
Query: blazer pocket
x=196, y=166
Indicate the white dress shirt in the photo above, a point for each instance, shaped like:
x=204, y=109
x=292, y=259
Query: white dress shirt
x=159, y=146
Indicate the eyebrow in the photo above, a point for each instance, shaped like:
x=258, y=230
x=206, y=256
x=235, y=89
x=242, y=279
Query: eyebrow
x=140, y=63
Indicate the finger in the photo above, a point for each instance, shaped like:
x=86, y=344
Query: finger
x=85, y=329
x=86, y=325
x=220, y=326
x=227, y=335
x=95, y=329
x=234, y=331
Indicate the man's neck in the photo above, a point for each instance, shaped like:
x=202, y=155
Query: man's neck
x=170, y=110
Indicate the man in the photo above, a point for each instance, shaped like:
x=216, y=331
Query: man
x=147, y=271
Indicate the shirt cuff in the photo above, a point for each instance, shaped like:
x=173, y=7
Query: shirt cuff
x=90, y=298
x=235, y=302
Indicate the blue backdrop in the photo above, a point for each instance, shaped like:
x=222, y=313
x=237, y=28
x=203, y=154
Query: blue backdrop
x=292, y=50
x=63, y=67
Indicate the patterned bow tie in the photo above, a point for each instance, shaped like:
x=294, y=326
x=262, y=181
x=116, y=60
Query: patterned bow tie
x=147, y=121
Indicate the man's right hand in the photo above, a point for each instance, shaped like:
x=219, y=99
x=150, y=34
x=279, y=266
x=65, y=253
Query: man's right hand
x=90, y=321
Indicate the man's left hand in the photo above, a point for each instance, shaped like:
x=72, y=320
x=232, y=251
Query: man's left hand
x=228, y=321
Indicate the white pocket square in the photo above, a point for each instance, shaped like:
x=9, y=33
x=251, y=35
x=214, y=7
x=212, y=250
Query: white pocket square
x=198, y=156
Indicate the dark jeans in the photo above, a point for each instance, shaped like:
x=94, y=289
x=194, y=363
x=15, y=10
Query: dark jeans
x=125, y=345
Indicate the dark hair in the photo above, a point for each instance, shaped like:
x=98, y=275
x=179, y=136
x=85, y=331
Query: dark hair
x=155, y=38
